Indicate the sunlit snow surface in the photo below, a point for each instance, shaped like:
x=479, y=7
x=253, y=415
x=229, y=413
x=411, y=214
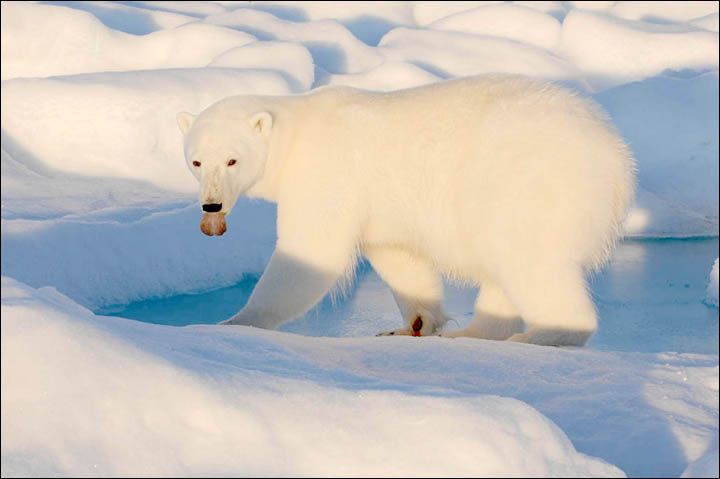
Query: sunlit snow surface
x=99, y=213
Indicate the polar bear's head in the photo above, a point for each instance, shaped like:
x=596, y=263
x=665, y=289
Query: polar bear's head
x=226, y=150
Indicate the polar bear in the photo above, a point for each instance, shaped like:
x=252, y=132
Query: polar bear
x=509, y=183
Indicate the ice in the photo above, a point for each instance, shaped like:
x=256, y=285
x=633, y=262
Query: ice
x=651, y=288
x=712, y=287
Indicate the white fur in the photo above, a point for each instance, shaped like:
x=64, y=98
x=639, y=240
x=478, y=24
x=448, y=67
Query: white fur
x=505, y=182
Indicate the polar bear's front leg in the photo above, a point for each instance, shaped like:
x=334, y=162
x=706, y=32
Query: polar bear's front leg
x=416, y=286
x=289, y=287
x=311, y=255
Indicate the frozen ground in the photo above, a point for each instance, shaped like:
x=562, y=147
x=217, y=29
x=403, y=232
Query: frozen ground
x=98, y=209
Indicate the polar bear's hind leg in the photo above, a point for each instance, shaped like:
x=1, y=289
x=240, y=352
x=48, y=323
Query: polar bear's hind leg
x=557, y=309
x=416, y=286
x=495, y=316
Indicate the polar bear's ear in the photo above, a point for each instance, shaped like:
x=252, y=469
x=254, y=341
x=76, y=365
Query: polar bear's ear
x=185, y=121
x=261, y=123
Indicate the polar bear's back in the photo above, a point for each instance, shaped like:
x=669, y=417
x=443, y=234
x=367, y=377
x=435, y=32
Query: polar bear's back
x=504, y=165
x=491, y=166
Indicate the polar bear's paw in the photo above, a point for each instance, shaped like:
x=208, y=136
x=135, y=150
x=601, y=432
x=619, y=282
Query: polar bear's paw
x=396, y=332
x=236, y=320
x=258, y=320
x=552, y=337
x=420, y=326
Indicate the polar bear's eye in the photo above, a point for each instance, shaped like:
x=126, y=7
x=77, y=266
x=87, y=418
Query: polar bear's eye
x=196, y=163
x=232, y=162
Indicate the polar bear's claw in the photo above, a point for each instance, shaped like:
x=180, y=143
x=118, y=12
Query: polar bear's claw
x=396, y=332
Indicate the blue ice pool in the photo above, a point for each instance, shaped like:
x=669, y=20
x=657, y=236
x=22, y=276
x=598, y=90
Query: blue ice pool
x=649, y=298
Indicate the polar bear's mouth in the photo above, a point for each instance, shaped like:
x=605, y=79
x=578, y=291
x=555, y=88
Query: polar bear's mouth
x=213, y=224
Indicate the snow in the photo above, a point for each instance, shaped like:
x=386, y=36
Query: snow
x=712, y=287
x=620, y=51
x=368, y=21
x=289, y=59
x=708, y=22
x=450, y=54
x=126, y=18
x=389, y=76
x=334, y=48
x=663, y=12
x=515, y=22
x=97, y=203
x=205, y=399
x=428, y=12
x=66, y=41
x=139, y=138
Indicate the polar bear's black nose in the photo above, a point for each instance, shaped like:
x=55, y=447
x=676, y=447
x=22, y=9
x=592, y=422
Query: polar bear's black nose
x=212, y=207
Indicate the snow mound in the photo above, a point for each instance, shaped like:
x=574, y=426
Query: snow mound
x=47, y=40
x=708, y=22
x=368, y=21
x=389, y=76
x=290, y=59
x=592, y=5
x=505, y=20
x=192, y=9
x=119, y=125
x=663, y=12
x=127, y=18
x=707, y=464
x=331, y=44
x=103, y=258
x=428, y=12
x=33, y=192
x=140, y=413
x=712, y=288
x=451, y=54
x=620, y=51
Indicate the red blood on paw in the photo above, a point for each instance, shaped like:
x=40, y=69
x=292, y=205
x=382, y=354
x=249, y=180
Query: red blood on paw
x=417, y=326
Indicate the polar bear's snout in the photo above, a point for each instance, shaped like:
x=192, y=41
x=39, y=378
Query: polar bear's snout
x=213, y=224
